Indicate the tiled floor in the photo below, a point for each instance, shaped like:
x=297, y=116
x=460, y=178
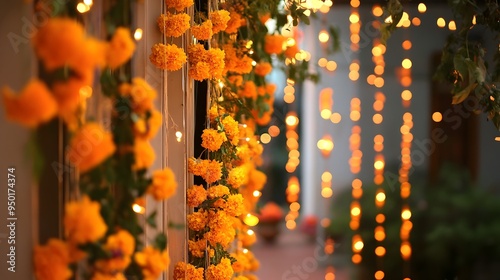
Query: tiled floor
x=294, y=257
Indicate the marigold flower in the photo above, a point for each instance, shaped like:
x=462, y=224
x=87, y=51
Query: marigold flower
x=217, y=191
x=242, y=262
x=199, y=71
x=142, y=95
x=240, y=64
x=173, y=25
x=146, y=129
x=179, y=5
x=256, y=179
x=213, y=171
x=163, y=185
x=90, y=146
x=234, y=205
x=263, y=68
x=167, y=57
x=58, y=41
x=241, y=277
x=232, y=130
x=121, y=47
x=221, y=271
x=196, y=195
x=236, y=80
x=152, y=262
x=203, y=31
x=270, y=89
x=212, y=139
x=144, y=154
x=186, y=271
x=52, y=261
x=215, y=111
x=215, y=59
x=246, y=239
x=274, y=44
x=249, y=90
x=219, y=20
x=197, y=220
x=33, y=106
x=120, y=246
x=104, y=276
x=83, y=222
x=91, y=54
x=198, y=248
x=237, y=177
x=291, y=51
x=221, y=229
x=68, y=95
x=234, y=23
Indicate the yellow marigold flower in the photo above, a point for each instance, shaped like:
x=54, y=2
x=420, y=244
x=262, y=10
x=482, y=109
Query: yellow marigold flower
x=236, y=177
x=221, y=271
x=52, y=261
x=83, y=222
x=68, y=96
x=33, y=106
x=147, y=129
x=236, y=80
x=232, y=130
x=186, y=271
x=196, y=195
x=256, y=180
x=142, y=95
x=263, y=68
x=179, y=5
x=121, y=47
x=163, y=185
x=274, y=44
x=90, y=146
x=203, y=31
x=291, y=51
x=91, y=54
x=211, y=139
x=234, y=205
x=219, y=20
x=167, y=57
x=215, y=59
x=217, y=191
x=215, y=111
x=234, y=22
x=270, y=89
x=249, y=90
x=199, y=71
x=242, y=263
x=197, y=220
x=240, y=64
x=221, y=229
x=58, y=41
x=213, y=171
x=152, y=262
x=243, y=65
x=247, y=240
x=173, y=25
x=120, y=246
x=144, y=154
x=194, y=166
x=104, y=276
x=198, y=248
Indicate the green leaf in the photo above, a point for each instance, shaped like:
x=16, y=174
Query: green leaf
x=151, y=219
x=160, y=241
x=463, y=94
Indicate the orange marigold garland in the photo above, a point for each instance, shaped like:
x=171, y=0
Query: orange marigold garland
x=173, y=25
x=167, y=57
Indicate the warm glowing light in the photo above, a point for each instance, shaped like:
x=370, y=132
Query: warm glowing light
x=379, y=70
x=406, y=214
x=178, y=136
x=325, y=222
x=355, y=3
x=88, y=2
x=452, y=25
x=406, y=63
x=474, y=19
x=138, y=208
x=331, y=65
x=377, y=11
x=355, y=116
x=358, y=245
x=380, y=251
x=377, y=118
x=326, y=176
x=356, y=183
x=380, y=196
x=326, y=192
x=256, y=193
x=294, y=206
x=497, y=138
x=406, y=45
x=265, y=138
x=422, y=8
x=437, y=117
x=356, y=258
x=291, y=224
x=416, y=21
x=86, y=91
x=354, y=75
x=138, y=34
x=380, y=218
x=273, y=130
x=251, y=220
x=292, y=120
x=379, y=82
x=323, y=36
x=325, y=145
x=354, y=66
x=82, y=8
x=406, y=95
x=355, y=211
x=335, y=118
x=288, y=98
x=379, y=275
x=441, y=22
x=405, y=250
x=322, y=62
x=354, y=18
x=376, y=51
x=379, y=233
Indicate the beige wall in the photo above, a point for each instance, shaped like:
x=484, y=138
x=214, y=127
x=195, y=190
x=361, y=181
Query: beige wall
x=16, y=68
